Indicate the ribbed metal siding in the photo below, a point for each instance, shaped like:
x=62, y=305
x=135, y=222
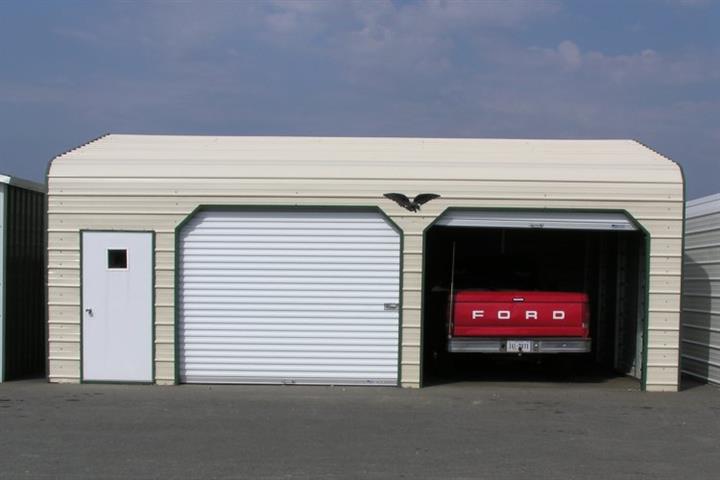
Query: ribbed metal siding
x=289, y=297
x=25, y=284
x=701, y=296
x=3, y=189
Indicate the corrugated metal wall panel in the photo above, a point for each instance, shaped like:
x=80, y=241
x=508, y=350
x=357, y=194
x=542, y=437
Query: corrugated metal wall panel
x=701, y=293
x=3, y=190
x=24, y=283
x=289, y=297
x=654, y=200
x=494, y=193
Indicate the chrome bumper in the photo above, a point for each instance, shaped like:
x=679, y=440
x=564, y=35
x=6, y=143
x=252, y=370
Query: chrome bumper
x=540, y=345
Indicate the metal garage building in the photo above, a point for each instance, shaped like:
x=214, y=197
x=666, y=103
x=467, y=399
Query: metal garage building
x=278, y=260
x=701, y=294
x=22, y=283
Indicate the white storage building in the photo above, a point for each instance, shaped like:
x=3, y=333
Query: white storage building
x=190, y=259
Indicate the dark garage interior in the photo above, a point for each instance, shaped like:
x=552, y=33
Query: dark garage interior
x=610, y=266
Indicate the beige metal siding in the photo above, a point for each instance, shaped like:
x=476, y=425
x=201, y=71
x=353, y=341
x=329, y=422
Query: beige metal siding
x=139, y=182
x=701, y=294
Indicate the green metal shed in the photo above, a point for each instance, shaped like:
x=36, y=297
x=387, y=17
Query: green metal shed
x=22, y=278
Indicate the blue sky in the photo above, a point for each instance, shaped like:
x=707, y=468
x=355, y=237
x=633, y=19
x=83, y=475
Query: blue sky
x=644, y=69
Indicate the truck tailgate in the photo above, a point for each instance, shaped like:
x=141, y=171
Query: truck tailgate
x=519, y=314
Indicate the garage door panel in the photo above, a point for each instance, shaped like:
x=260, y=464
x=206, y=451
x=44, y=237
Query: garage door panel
x=288, y=330
x=308, y=283
x=253, y=276
x=304, y=377
x=287, y=370
x=289, y=306
x=307, y=335
x=292, y=268
x=294, y=343
x=291, y=315
x=303, y=252
x=299, y=263
x=312, y=243
x=289, y=297
x=278, y=225
x=269, y=291
x=298, y=349
x=334, y=325
x=250, y=362
x=325, y=323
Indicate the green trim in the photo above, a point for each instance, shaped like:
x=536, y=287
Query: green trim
x=532, y=209
x=176, y=295
x=641, y=228
x=646, y=323
x=152, y=309
x=682, y=273
x=46, y=287
x=153, y=325
x=80, y=310
x=401, y=284
x=297, y=208
x=423, y=295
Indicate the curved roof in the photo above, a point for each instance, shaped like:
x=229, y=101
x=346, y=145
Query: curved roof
x=167, y=156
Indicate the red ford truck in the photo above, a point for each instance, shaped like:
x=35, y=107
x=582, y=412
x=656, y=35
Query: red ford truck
x=518, y=322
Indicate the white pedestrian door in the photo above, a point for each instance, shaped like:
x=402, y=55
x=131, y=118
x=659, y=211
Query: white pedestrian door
x=117, y=306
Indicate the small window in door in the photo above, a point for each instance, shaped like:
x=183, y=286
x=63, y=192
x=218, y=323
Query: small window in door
x=117, y=260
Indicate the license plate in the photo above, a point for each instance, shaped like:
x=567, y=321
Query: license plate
x=519, y=346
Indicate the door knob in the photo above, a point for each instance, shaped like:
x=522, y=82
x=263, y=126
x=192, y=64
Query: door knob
x=89, y=311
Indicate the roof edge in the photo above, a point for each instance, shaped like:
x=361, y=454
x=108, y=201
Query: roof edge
x=22, y=183
x=49, y=165
x=78, y=147
x=677, y=164
x=354, y=137
x=703, y=206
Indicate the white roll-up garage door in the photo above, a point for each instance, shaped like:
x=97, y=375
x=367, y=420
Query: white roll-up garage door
x=289, y=296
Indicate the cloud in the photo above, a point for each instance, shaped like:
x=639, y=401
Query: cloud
x=569, y=54
x=644, y=67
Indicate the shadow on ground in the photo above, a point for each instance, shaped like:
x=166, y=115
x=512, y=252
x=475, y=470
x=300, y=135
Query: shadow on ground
x=527, y=369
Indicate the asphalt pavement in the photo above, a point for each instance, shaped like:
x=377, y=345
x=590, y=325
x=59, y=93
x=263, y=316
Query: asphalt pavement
x=464, y=430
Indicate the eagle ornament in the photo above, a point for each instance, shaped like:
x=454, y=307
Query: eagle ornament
x=414, y=204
